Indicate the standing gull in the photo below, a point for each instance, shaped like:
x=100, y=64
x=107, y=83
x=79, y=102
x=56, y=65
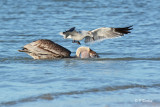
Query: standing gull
x=95, y=35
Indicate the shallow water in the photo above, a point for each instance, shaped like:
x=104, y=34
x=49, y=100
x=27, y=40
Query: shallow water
x=125, y=75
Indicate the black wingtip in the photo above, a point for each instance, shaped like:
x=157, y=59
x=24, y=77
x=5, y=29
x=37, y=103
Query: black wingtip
x=71, y=29
x=124, y=30
x=129, y=27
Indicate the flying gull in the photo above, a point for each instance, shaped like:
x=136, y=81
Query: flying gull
x=95, y=35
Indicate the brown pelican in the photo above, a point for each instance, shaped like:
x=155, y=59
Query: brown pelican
x=47, y=49
x=94, y=35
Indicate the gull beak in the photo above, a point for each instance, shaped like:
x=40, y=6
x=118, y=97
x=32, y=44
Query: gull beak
x=61, y=33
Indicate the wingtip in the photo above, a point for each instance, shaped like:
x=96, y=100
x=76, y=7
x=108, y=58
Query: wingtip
x=124, y=30
x=130, y=27
x=71, y=29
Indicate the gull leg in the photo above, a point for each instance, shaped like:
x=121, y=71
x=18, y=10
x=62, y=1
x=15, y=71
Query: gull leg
x=73, y=41
x=93, y=38
x=78, y=43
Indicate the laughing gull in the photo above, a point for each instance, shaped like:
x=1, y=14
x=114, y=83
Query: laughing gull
x=95, y=35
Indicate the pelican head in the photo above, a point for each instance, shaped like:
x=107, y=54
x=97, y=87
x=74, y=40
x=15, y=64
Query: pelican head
x=86, y=52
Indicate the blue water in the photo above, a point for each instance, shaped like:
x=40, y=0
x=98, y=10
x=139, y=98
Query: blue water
x=126, y=74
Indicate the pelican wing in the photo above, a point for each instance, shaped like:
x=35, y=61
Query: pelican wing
x=47, y=47
x=107, y=33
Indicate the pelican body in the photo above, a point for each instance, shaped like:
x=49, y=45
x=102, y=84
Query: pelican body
x=45, y=49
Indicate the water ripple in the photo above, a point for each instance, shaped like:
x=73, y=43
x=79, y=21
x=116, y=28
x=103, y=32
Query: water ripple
x=23, y=59
x=52, y=96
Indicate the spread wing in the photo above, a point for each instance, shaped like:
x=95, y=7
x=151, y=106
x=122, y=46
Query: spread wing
x=107, y=33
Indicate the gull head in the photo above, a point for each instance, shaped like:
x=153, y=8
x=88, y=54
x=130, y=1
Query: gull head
x=66, y=34
x=63, y=34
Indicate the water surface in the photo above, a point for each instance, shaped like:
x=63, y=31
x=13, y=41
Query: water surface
x=125, y=75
